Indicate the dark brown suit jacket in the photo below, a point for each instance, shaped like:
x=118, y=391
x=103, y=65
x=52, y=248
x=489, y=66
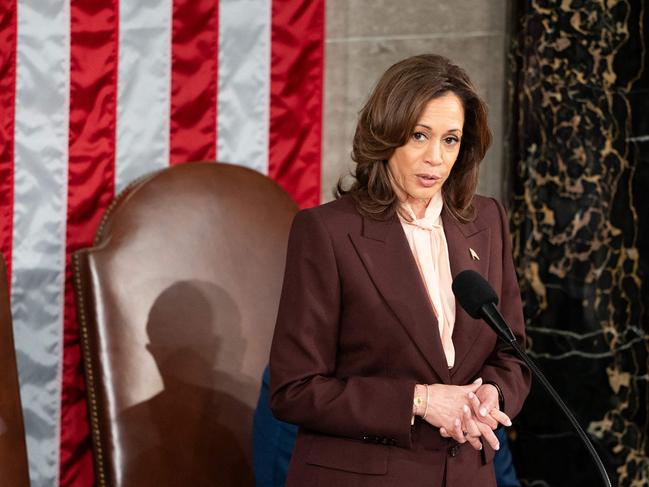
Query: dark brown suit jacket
x=355, y=332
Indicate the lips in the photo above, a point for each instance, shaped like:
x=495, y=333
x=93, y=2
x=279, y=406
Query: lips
x=428, y=180
x=428, y=176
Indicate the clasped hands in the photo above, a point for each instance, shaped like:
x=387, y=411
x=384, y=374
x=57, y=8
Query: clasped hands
x=464, y=413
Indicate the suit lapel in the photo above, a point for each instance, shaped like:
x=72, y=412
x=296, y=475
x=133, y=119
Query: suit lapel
x=468, y=248
x=385, y=253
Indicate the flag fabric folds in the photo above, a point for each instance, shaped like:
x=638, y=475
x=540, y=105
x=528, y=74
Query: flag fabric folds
x=96, y=93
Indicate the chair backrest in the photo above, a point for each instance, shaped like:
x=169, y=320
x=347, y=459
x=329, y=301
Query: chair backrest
x=14, y=470
x=177, y=301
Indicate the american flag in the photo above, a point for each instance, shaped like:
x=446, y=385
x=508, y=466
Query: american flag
x=95, y=93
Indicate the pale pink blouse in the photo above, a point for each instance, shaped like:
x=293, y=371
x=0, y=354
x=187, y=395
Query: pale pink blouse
x=428, y=244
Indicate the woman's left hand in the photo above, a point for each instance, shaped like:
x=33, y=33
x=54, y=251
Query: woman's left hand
x=485, y=406
x=472, y=430
x=484, y=416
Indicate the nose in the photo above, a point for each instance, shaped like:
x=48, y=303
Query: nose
x=434, y=152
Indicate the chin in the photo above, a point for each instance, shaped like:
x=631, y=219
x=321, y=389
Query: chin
x=424, y=194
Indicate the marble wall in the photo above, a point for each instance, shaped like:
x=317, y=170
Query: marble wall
x=365, y=37
x=580, y=150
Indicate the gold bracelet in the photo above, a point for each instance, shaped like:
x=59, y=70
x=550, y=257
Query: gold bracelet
x=426, y=407
x=417, y=402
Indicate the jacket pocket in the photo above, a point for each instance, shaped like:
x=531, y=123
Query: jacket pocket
x=348, y=455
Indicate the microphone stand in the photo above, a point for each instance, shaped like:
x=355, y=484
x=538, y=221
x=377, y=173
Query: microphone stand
x=493, y=316
x=479, y=300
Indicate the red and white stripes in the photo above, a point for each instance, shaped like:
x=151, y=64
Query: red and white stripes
x=297, y=59
x=38, y=238
x=194, y=54
x=244, y=88
x=143, y=89
x=8, y=22
x=94, y=31
x=95, y=93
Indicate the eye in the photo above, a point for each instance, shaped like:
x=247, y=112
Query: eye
x=451, y=140
x=419, y=136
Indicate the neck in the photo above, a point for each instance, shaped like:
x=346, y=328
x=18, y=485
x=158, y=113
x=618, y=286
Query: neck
x=418, y=206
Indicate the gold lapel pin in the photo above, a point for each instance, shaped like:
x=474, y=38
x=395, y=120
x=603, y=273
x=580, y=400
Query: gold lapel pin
x=474, y=254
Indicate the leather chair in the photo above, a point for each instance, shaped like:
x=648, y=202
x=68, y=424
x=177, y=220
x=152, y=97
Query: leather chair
x=176, y=303
x=14, y=470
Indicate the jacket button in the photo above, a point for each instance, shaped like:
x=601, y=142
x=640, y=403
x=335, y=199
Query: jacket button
x=366, y=438
x=454, y=450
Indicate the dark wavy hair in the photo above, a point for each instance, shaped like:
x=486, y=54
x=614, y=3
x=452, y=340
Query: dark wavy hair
x=388, y=119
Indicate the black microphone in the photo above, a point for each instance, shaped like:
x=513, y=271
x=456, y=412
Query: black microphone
x=479, y=300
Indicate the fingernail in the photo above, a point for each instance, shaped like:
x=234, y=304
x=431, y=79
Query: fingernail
x=465, y=408
x=480, y=447
x=483, y=412
x=471, y=394
x=478, y=380
x=509, y=423
x=457, y=422
x=497, y=447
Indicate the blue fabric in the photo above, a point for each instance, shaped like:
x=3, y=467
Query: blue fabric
x=273, y=442
x=503, y=465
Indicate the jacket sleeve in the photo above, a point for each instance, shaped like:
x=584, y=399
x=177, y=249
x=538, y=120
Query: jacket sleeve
x=303, y=386
x=503, y=367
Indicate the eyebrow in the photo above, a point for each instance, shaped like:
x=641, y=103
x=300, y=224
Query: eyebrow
x=430, y=128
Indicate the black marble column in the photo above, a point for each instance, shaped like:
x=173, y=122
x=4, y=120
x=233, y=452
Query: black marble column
x=580, y=217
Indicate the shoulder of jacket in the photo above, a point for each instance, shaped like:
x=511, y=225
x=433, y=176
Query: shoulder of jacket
x=338, y=217
x=340, y=208
x=487, y=207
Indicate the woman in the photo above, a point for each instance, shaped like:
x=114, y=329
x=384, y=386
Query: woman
x=388, y=380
